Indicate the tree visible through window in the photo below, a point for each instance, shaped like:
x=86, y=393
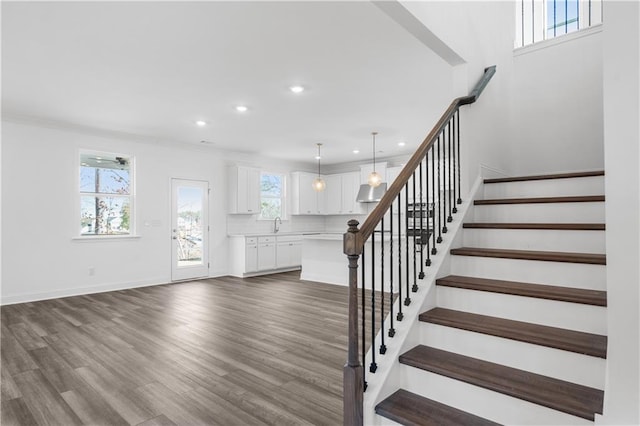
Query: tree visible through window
x=272, y=195
x=105, y=194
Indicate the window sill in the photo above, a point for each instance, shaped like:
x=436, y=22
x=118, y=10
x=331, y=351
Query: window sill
x=94, y=238
x=550, y=42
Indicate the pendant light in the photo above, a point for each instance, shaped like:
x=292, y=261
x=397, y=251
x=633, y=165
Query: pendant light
x=318, y=183
x=374, y=180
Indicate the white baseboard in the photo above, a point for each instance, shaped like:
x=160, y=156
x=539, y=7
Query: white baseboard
x=79, y=291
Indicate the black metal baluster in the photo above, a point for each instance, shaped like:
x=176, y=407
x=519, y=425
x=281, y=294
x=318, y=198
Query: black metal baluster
x=453, y=201
x=427, y=210
x=448, y=184
x=407, y=299
x=414, y=288
x=392, y=331
x=432, y=211
x=439, y=191
x=373, y=367
x=421, y=241
x=400, y=315
x=442, y=162
x=459, y=201
x=364, y=326
x=383, y=347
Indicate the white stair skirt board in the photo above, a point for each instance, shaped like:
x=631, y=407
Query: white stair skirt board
x=536, y=239
x=590, y=212
x=572, y=316
x=482, y=402
x=564, y=365
x=593, y=185
x=592, y=277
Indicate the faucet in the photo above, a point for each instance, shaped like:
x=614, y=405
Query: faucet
x=276, y=228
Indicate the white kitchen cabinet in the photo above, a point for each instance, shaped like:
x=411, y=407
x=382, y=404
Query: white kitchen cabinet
x=304, y=199
x=244, y=190
x=251, y=254
x=289, y=252
x=266, y=253
x=333, y=203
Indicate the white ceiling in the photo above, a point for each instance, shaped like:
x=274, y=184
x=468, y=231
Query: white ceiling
x=154, y=68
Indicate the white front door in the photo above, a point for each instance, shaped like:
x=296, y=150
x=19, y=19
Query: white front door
x=189, y=229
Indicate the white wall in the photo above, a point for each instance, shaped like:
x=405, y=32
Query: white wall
x=621, y=43
x=482, y=34
x=39, y=217
x=556, y=105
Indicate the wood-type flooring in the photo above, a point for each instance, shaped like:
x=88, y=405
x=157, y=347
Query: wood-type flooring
x=228, y=351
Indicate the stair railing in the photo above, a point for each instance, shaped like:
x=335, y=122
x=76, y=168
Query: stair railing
x=407, y=223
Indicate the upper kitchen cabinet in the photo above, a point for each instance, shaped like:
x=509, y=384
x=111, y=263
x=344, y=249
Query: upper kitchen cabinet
x=342, y=190
x=244, y=190
x=304, y=199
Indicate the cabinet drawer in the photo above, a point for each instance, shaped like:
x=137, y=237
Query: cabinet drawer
x=269, y=239
x=251, y=240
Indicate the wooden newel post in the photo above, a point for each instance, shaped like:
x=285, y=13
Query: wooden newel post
x=353, y=377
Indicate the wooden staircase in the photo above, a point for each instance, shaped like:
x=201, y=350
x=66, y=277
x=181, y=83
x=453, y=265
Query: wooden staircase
x=517, y=336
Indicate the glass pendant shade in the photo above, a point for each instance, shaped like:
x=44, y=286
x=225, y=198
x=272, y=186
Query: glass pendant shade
x=318, y=183
x=374, y=180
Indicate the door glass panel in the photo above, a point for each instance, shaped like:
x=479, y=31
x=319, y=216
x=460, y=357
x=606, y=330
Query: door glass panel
x=189, y=226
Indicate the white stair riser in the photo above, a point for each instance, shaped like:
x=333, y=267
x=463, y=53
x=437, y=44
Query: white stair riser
x=482, y=402
x=591, y=212
x=563, y=365
x=571, y=316
x=534, y=239
x=562, y=274
x=593, y=185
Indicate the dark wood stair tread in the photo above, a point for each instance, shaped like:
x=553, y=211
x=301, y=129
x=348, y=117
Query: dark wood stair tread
x=550, y=226
x=563, y=294
x=553, y=337
x=540, y=200
x=545, y=177
x=550, y=256
x=407, y=408
x=571, y=398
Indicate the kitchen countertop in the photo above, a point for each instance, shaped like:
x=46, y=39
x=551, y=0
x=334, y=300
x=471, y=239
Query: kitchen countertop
x=273, y=234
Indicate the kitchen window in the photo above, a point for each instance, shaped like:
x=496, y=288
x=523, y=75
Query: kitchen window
x=272, y=195
x=106, y=194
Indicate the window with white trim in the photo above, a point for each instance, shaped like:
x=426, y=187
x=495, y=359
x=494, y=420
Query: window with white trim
x=106, y=194
x=272, y=195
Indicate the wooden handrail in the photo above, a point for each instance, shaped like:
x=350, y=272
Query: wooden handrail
x=379, y=211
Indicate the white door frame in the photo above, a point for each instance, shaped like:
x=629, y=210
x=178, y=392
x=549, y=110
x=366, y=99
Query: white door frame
x=180, y=269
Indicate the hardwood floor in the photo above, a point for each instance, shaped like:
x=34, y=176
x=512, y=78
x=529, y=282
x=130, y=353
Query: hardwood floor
x=228, y=351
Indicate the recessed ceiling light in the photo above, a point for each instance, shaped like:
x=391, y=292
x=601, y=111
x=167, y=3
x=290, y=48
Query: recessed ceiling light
x=401, y=144
x=201, y=123
x=317, y=157
x=241, y=108
x=296, y=89
x=356, y=151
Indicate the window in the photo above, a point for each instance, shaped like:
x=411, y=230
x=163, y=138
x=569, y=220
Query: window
x=272, y=195
x=106, y=194
x=538, y=20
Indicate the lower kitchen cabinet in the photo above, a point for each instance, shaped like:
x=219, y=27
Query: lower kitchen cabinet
x=258, y=255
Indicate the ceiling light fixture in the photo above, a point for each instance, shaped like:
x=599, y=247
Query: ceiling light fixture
x=297, y=89
x=374, y=180
x=241, y=108
x=401, y=144
x=318, y=183
x=201, y=123
x=356, y=151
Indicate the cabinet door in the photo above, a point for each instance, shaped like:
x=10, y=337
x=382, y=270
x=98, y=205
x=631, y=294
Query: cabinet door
x=244, y=191
x=309, y=201
x=333, y=201
x=266, y=256
x=350, y=187
x=283, y=255
x=296, y=253
x=251, y=257
x=252, y=190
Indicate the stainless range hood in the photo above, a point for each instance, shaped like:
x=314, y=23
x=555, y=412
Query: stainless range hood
x=369, y=194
